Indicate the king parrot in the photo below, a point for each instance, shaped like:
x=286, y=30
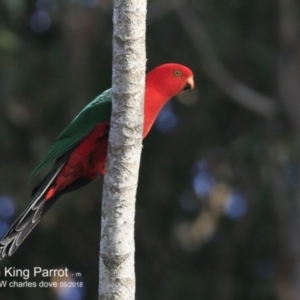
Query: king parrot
x=79, y=152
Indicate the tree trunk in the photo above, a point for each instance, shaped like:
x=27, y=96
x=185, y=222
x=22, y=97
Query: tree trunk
x=117, y=275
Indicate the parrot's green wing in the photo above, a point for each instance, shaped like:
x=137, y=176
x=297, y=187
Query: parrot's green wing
x=97, y=111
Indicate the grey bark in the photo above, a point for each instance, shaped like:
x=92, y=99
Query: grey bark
x=117, y=276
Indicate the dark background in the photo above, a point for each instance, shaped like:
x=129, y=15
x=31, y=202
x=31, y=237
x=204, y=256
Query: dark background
x=218, y=204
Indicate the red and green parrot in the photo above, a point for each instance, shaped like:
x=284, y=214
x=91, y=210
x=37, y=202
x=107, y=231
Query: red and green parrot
x=79, y=152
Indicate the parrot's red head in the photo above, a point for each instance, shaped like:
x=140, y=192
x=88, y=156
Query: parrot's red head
x=170, y=79
x=163, y=83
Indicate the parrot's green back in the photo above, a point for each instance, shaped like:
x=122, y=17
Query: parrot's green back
x=97, y=111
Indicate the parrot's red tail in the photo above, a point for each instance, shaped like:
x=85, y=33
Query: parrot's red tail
x=29, y=218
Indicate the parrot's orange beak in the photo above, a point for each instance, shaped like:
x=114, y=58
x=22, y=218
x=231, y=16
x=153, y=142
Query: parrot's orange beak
x=189, y=83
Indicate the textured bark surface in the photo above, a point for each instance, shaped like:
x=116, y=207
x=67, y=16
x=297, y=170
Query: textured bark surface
x=117, y=275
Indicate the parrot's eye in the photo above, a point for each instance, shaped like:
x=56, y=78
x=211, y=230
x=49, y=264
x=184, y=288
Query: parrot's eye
x=177, y=73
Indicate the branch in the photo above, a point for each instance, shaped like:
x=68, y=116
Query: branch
x=235, y=89
x=117, y=276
